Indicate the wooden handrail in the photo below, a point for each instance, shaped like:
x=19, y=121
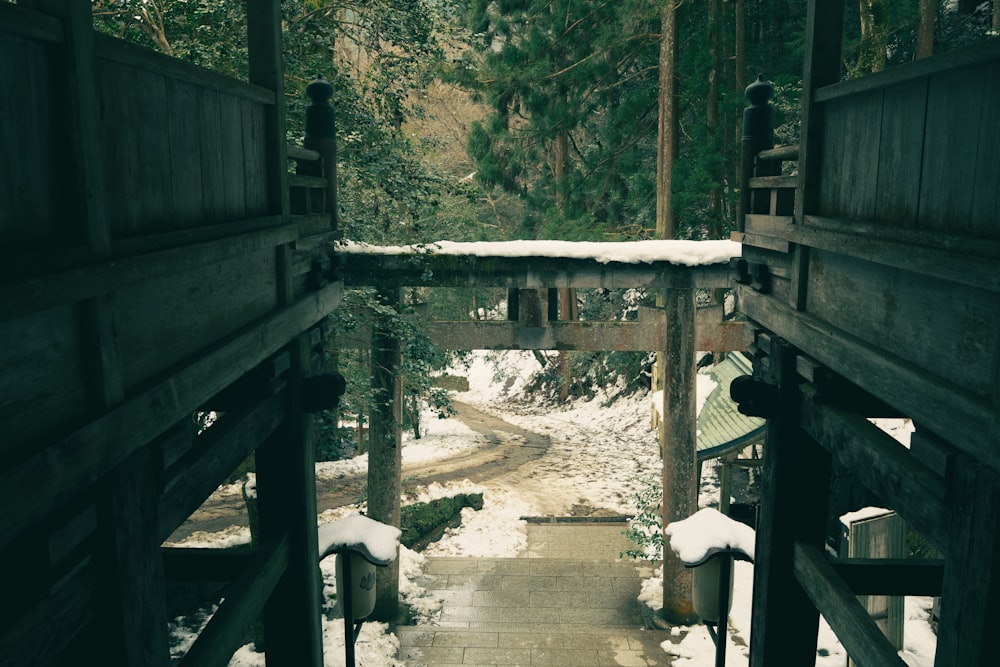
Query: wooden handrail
x=782, y=153
x=296, y=152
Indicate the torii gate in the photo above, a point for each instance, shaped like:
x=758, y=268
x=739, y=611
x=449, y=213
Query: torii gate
x=529, y=269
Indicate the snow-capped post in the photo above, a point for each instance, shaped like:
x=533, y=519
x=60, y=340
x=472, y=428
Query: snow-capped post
x=708, y=542
x=758, y=135
x=321, y=136
x=361, y=545
x=678, y=443
x=385, y=440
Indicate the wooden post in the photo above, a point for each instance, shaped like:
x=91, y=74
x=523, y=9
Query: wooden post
x=385, y=446
x=321, y=136
x=286, y=501
x=678, y=444
x=795, y=485
x=266, y=70
x=758, y=135
x=969, y=611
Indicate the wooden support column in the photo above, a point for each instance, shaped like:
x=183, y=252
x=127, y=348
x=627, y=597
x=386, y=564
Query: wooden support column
x=385, y=446
x=678, y=442
x=971, y=588
x=266, y=70
x=795, y=487
x=286, y=501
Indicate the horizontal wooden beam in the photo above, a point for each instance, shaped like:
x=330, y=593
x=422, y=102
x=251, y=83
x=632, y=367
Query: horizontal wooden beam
x=244, y=601
x=216, y=453
x=362, y=269
x=199, y=564
x=951, y=412
x=855, y=629
x=935, y=258
x=884, y=466
x=891, y=576
x=648, y=336
x=58, y=473
x=981, y=52
x=35, y=294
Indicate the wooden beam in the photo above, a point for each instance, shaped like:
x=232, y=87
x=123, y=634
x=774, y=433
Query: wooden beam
x=244, y=601
x=286, y=504
x=361, y=269
x=957, y=265
x=216, y=453
x=28, y=24
x=969, y=611
x=943, y=408
x=713, y=335
x=796, y=474
x=267, y=71
x=35, y=294
x=890, y=576
x=884, y=466
x=855, y=629
x=57, y=475
x=201, y=564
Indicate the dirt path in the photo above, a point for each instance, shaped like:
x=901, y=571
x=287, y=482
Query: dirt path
x=507, y=449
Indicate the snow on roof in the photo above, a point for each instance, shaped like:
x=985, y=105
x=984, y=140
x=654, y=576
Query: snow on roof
x=374, y=540
x=863, y=514
x=706, y=532
x=686, y=253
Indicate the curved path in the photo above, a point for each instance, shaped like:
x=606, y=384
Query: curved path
x=507, y=449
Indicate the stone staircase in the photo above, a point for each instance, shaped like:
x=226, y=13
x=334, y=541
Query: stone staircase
x=568, y=600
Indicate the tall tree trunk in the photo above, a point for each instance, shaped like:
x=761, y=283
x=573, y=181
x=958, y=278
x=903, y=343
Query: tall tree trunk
x=712, y=119
x=667, y=137
x=925, y=33
x=872, y=52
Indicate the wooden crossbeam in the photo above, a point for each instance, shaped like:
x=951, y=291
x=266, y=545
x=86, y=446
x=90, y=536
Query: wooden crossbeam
x=855, y=629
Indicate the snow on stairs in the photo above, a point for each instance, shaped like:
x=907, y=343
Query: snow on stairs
x=568, y=600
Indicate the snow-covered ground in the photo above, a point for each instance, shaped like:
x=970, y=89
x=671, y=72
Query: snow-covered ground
x=600, y=456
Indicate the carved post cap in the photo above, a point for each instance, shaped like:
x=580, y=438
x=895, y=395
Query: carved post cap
x=319, y=115
x=758, y=118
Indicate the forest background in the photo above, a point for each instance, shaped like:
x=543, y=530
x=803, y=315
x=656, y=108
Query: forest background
x=491, y=120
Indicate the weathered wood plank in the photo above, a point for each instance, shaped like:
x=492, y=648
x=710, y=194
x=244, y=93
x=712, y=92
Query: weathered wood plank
x=855, y=629
x=848, y=174
x=884, y=466
x=951, y=333
x=888, y=576
x=122, y=153
x=183, y=153
x=986, y=200
x=213, y=165
x=954, y=109
x=158, y=327
x=710, y=334
x=981, y=52
x=56, y=289
x=56, y=476
x=255, y=159
x=28, y=130
x=947, y=410
x=362, y=269
x=202, y=564
x=266, y=70
x=125, y=53
x=233, y=162
x=900, y=150
x=244, y=600
x=955, y=259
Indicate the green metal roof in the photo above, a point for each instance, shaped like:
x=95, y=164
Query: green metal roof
x=721, y=427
